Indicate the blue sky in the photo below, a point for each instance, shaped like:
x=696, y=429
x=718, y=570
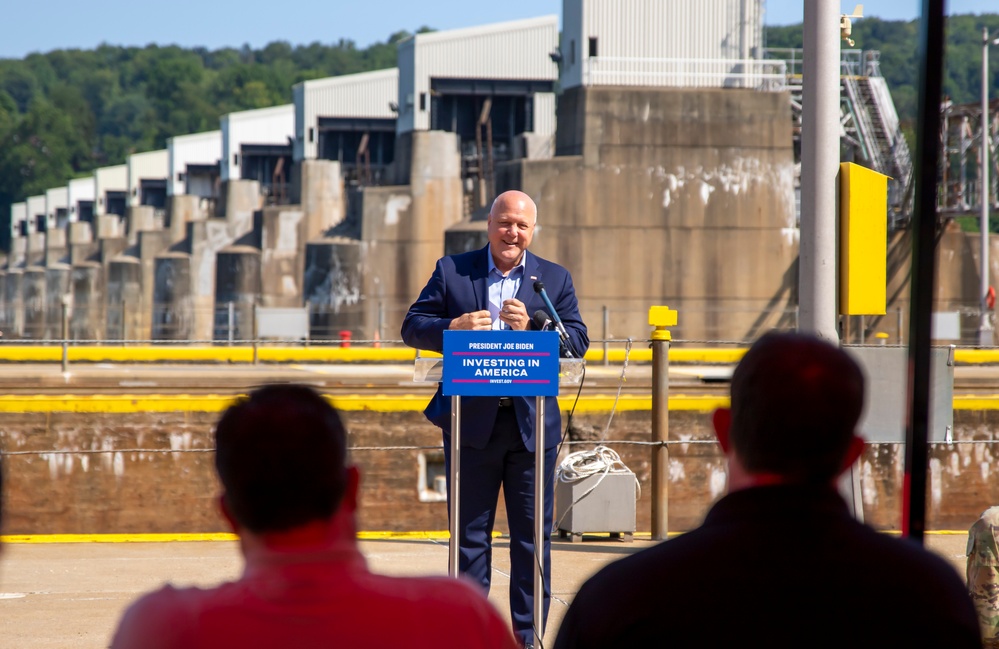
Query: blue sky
x=39, y=26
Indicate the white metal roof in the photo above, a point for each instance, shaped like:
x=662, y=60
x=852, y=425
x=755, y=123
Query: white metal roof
x=196, y=148
x=368, y=95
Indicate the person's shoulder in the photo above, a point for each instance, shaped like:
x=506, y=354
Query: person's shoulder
x=158, y=619
x=468, y=257
x=461, y=263
x=647, y=567
x=457, y=604
x=435, y=590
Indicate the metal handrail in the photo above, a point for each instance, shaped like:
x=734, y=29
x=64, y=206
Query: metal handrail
x=767, y=75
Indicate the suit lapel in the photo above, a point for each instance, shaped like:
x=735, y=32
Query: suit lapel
x=532, y=273
x=480, y=269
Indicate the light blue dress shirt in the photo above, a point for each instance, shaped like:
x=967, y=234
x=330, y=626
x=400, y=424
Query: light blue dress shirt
x=500, y=287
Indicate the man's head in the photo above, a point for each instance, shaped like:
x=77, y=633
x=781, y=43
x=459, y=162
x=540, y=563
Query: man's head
x=281, y=456
x=511, y=227
x=796, y=401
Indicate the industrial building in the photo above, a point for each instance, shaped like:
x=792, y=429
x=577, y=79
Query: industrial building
x=710, y=44
x=256, y=145
x=350, y=119
x=37, y=216
x=56, y=208
x=111, y=190
x=194, y=164
x=492, y=86
x=147, y=178
x=18, y=220
x=80, y=198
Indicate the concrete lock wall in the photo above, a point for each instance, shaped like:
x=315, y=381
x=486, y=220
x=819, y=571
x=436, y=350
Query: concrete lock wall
x=151, y=245
x=35, y=253
x=465, y=237
x=87, y=286
x=57, y=292
x=317, y=186
x=239, y=199
x=403, y=226
x=55, y=246
x=81, y=242
x=156, y=490
x=181, y=210
x=282, y=246
x=334, y=275
x=205, y=238
x=237, y=291
x=14, y=302
x=140, y=218
x=33, y=292
x=172, y=318
x=124, y=292
x=689, y=190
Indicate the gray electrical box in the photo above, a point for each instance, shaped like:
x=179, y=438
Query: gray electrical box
x=886, y=371
x=610, y=507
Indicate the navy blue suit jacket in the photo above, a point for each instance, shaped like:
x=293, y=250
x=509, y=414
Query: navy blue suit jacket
x=458, y=286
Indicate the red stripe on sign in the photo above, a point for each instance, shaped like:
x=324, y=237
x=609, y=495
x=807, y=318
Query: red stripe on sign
x=500, y=353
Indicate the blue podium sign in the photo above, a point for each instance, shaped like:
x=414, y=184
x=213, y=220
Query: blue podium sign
x=501, y=363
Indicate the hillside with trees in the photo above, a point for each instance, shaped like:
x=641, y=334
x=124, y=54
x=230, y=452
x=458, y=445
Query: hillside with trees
x=67, y=112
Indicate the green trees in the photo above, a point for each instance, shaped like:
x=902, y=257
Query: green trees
x=898, y=43
x=67, y=112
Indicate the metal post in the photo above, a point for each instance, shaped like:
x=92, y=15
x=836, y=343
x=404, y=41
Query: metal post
x=452, y=544
x=606, y=328
x=985, y=338
x=819, y=168
x=232, y=320
x=381, y=322
x=660, y=318
x=922, y=277
x=308, y=316
x=901, y=339
x=256, y=352
x=539, y=522
x=65, y=334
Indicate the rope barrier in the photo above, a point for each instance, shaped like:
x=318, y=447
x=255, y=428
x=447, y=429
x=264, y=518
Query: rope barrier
x=622, y=442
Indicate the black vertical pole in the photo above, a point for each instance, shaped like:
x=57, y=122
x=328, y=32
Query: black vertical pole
x=921, y=288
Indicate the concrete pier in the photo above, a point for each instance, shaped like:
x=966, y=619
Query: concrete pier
x=124, y=297
x=172, y=317
x=14, y=303
x=334, y=275
x=237, y=291
x=282, y=247
x=57, y=293
x=33, y=292
x=88, y=316
x=317, y=185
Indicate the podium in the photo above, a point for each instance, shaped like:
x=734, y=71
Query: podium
x=501, y=363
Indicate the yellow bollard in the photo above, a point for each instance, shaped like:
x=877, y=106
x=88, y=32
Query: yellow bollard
x=660, y=317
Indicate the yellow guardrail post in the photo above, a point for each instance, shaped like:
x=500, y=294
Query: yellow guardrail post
x=660, y=317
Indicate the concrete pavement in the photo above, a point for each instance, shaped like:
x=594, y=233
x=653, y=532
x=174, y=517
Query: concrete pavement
x=70, y=595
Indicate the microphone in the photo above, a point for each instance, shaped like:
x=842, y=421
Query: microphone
x=541, y=320
x=539, y=288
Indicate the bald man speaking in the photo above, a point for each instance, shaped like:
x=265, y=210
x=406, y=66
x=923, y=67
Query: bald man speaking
x=493, y=288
